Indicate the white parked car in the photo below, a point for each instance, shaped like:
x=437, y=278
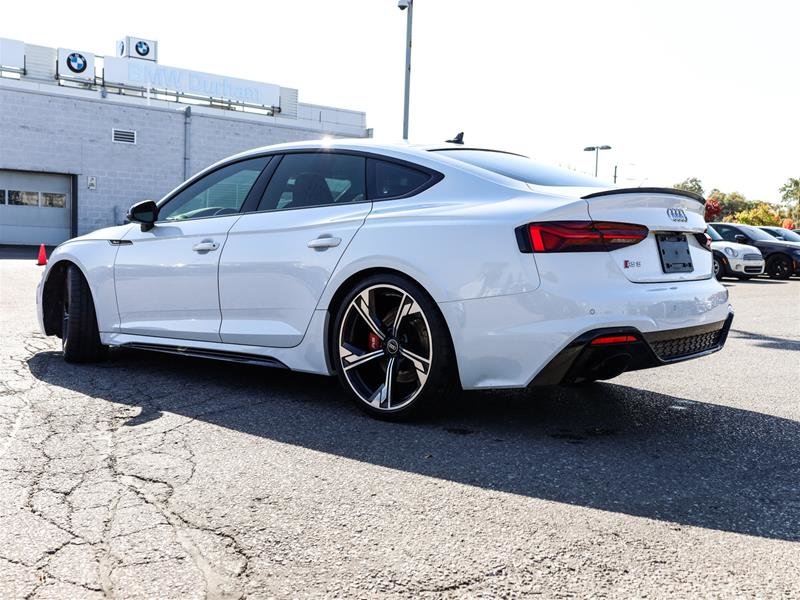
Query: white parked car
x=406, y=271
x=732, y=259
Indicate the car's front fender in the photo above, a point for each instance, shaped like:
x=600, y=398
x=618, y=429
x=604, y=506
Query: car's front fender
x=95, y=259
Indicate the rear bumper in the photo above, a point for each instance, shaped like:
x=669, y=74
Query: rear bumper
x=587, y=358
x=506, y=341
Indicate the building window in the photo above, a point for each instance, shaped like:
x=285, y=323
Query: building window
x=52, y=200
x=19, y=198
x=2, y=196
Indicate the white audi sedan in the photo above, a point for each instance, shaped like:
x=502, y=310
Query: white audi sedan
x=408, y=272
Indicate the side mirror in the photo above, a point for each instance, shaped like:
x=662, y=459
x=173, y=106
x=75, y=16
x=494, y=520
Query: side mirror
x=144, y=212
x=742, y=239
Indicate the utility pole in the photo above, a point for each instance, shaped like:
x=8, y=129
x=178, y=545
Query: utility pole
x=409, y=6
x=596, y=150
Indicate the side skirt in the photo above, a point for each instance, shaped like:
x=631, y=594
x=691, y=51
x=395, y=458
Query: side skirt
x=238, y=357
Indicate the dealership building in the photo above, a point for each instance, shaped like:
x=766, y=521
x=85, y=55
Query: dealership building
x=82, y=136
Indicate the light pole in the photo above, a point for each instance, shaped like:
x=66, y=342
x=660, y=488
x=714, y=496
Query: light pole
x=403, y=5
x=596, y=150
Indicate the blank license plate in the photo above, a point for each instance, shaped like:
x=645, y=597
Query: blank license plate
x=674, y=251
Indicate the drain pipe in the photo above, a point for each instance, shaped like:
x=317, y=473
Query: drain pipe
x=187, y=119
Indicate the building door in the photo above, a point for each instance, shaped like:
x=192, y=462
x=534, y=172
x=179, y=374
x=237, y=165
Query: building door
x=34, y=208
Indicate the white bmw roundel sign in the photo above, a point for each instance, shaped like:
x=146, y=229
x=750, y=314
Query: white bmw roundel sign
x=75, y=64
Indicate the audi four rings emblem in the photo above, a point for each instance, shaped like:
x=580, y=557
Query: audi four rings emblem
x=76, y=62
x=677, y=214
x=142, y=48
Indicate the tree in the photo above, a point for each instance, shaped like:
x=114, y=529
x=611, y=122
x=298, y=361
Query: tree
x=761, y=214
x=731, y=203
x=788, y=224
x=713, y=209
x=790, y=192
x=691, y=184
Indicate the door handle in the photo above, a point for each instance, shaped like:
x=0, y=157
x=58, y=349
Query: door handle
x=205, y=246
x=324, y=241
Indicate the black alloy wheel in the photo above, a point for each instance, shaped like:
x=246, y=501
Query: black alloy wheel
x=779, y=267
x=393, y=350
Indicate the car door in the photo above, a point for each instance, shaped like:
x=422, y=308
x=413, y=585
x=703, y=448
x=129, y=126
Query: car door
x=166, y=277
x=278, y=260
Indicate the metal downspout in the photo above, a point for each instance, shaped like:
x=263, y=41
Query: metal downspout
x=187, y=119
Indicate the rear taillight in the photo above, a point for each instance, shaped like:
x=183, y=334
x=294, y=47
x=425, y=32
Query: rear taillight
x=578, y=236
x=704, y=240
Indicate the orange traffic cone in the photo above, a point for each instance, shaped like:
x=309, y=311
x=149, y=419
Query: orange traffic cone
x=42, y=256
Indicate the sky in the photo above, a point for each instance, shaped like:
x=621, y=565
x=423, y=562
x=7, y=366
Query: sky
x=700, y=88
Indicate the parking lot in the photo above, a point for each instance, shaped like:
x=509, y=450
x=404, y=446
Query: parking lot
x=160, y=476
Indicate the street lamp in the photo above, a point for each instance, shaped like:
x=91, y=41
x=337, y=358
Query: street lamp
x=403, y=5
x=596, y=150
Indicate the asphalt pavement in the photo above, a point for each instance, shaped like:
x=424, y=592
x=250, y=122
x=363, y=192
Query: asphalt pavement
x=157, y=476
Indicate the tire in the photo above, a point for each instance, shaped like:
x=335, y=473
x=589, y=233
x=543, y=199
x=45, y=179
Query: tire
x=718, y=268
x=80, y=338
x=393, y=368
x=779, y=267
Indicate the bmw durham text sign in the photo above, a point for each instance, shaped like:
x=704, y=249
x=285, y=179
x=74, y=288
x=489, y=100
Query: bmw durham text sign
x=144, y=74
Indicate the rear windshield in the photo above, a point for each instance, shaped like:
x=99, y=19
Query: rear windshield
x=522, y=168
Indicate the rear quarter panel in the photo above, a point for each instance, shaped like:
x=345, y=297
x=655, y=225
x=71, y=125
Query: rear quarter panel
x=458, y=243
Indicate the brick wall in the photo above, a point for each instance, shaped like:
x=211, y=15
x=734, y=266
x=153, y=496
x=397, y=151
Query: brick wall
x=65, y=134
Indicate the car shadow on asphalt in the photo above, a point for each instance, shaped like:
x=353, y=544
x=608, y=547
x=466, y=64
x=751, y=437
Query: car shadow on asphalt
x=767, y=341
x=605, y=446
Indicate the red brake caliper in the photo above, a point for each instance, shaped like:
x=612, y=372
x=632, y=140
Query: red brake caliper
x=374, y=341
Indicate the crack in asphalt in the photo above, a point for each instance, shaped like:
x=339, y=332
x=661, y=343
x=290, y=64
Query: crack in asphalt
x=158, y=477
x=60, y=468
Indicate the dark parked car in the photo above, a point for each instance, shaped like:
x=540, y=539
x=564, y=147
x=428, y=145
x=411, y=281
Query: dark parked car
x=781, y=233
x=782, y=258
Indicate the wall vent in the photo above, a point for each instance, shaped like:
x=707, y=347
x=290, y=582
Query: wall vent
x=123, y=136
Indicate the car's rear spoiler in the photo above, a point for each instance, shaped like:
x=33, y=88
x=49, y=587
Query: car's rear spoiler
x=648, y=190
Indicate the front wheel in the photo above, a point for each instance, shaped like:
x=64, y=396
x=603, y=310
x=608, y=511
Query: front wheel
x=80, y=337
x=719, y=268
x=779, y=267
x=393, y=352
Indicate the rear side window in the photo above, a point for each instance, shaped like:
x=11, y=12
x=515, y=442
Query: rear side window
x=392, y=180
x=315, y=179
x=522, y=168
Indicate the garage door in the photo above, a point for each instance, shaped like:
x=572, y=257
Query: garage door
x=34, y=208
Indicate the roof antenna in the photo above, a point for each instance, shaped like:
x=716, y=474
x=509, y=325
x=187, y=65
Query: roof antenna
x=459, y=139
